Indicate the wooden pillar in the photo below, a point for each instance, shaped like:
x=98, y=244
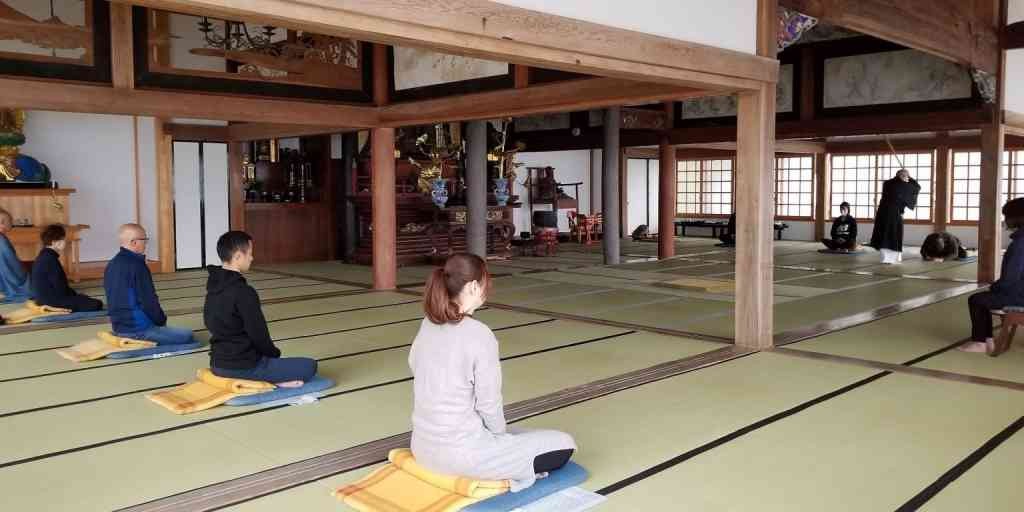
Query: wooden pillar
x=381, y=88
x=822, y=200
x=990, y=229
x=610, y=185
x=385, y=235
x=666, y=198
x=521, y=76
x=122, y=62
x=164, y=195
x=476, y=188
x=236, y=189
x=943, y=181
x=755, y=212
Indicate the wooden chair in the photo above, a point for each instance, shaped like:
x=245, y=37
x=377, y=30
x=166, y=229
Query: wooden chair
x=1012, y=317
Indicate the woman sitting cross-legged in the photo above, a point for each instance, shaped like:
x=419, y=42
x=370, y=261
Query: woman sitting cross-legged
x=49, y=282
x=458, y=419
x=1008, y=290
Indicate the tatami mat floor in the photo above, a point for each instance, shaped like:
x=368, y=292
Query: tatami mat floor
x=808, y=427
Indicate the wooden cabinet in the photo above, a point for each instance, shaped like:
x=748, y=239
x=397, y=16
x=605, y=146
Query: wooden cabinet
x=38, y=208
x=289, y=232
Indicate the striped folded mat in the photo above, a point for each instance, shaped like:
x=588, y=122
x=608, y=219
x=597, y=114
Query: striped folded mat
x=102, y=345
x=31, y=311
x=207, y=392
x=405, y=486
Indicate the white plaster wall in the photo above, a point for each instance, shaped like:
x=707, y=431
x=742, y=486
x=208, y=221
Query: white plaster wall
x=147, y=184
x=1015, y=11
x=730, y=24
x=570, y=167
x=93, y=154
x=1015, y=80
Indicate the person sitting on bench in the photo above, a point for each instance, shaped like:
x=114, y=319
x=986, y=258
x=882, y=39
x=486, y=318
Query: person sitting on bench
x=49, y=282
x=458, y=419
x=240, y=343
x=1008, y=290
x=942, y=247
x=134, y=308
x=14, y=281
x=728, y=238
x=844, y=231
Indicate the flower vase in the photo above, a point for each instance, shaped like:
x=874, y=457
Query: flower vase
x=501, y=194
x=439, y=191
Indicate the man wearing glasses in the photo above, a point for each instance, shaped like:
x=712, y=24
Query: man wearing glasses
x=134, y=308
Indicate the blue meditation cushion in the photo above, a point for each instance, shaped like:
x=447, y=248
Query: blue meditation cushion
x=316, y=384
x=70, y=317
x=157, y=351
x=830, y=251
x=570, y=475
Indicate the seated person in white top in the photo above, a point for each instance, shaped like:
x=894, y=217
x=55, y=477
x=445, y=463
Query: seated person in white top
x=458, y=420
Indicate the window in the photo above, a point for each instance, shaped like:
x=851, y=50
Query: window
x=704, y=187
x=858, y=179
x=794, y=186
x=967, y=182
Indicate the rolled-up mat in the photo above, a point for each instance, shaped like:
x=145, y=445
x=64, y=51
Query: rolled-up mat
x=314, y=385
x=157, y=351
x=70, y=317
x=569, y=475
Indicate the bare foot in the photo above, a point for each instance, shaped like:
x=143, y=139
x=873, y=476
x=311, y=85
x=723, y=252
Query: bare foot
x=290, y=384
x=974, y=346
x=542, y=475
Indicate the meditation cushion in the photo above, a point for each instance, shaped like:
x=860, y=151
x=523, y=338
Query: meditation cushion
x=159, y=350
x=206, y=392
x=70, y=317
x=403, y=485
x=314, y=385
x=570, y=475
x=101, y=346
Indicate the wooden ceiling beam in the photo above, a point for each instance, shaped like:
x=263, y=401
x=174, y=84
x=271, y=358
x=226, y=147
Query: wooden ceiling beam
x=243, y=132
x=490, y=30
x=800, y=147
x=65, y=97
x=961, y=31
x=558, y=97
x=197, y=132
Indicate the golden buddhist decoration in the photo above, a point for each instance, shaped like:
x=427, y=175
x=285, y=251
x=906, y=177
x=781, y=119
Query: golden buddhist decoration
x=12, y=135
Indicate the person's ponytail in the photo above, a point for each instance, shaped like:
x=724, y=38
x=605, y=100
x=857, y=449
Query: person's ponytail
x=441, y=294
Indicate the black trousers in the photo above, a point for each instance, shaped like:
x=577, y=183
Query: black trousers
x=981, y=305
x=727, y=238
x=77, y=303
x=839, y=243
x=550, y=461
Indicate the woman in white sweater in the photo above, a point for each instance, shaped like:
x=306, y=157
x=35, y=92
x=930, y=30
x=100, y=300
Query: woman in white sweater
x=458, y=419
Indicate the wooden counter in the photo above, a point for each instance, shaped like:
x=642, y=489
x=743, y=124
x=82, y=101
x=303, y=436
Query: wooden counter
x=289, y=232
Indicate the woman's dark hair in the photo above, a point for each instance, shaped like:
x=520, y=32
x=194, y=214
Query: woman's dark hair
x=844, y=204
x=52, y=233
x=232, y=242
x=440, y=298
x=942, y=246
x=1013, y=211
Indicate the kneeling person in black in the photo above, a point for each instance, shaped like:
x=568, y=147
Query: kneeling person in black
x=49, y=282
x=240, y=345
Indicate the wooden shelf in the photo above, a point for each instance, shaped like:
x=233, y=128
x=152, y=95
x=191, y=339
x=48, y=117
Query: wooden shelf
x=36, y=191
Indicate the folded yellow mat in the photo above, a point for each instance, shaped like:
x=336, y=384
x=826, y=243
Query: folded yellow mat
x=31, y=311
x=405, y=486
x=102, y=345
x=207, y=392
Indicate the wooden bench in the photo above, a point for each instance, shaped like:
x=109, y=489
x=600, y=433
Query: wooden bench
x=1012, y=317
x=715, y=226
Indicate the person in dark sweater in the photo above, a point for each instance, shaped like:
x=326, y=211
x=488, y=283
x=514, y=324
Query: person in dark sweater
x=1008, y=290
x=49, y=282
x=844, y=231
x=729, y=237
x=134, y=308
x=240, y=344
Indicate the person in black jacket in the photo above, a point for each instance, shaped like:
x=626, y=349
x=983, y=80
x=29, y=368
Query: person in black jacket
x=942, y=246
x=728, y=238
x=240, y=344
x=844, y=231
x=49, y=282
x=898, y=194
x=1008, y=290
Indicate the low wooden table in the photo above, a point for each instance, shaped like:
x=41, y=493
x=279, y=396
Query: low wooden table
x=27, y=245
x=716, y=226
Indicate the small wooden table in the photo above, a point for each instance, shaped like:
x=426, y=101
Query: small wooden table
x=717, y=226
x=27, y=245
